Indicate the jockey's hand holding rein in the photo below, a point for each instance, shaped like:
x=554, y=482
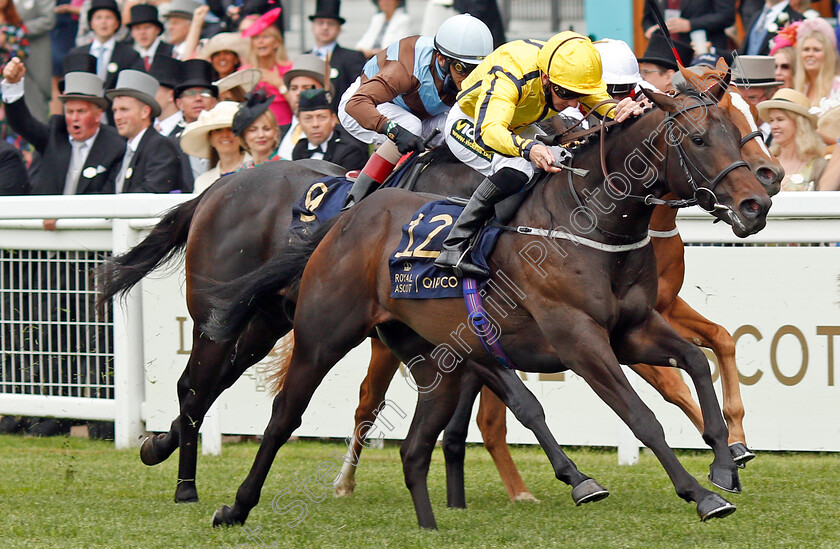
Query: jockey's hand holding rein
x=628, y=107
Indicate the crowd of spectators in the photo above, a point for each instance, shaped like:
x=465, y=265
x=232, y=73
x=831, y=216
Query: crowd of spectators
x=786, y=65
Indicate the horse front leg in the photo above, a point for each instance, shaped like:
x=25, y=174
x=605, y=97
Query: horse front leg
x=509, y=387
x=656, y=342
x=699, y=330
x=383, y=365
x=492, y=422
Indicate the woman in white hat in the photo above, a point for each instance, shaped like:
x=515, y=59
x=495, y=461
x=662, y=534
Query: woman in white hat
x=226, y=51
x=211, y=137
x=795, y=140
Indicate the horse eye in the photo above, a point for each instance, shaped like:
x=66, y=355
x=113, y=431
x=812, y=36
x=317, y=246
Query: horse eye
x=697, y=140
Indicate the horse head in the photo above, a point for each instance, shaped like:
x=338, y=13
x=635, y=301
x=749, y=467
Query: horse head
x=703, y=158
x=763, y=164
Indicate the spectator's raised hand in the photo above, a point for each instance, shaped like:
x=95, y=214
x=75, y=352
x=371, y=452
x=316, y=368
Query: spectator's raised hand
x=14, y=70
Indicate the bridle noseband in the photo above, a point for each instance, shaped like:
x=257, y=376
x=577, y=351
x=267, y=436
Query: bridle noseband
x=704, y=196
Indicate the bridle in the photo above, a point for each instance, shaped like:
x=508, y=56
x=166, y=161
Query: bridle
x=703, y=195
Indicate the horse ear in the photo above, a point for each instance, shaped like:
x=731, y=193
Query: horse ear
x=692, y=78
x=719, y=89
x=722, y=65
x=664, y=102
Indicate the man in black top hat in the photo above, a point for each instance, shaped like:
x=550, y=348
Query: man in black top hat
x=146, y=30
x=345, y=65
x=79, y=154
x=195, y=92
x=150, y=161
x=657, y=66
x=111, y=56
x=167, y=71
x=324, y=138
x=76, y=62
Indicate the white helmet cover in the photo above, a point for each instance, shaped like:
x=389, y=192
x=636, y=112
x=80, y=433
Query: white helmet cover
x=618, y=61
x=465, y=38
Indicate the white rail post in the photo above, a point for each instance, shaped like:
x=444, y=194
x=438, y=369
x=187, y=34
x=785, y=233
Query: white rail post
x=628, y=445
x=211, y=431
x=128, y=353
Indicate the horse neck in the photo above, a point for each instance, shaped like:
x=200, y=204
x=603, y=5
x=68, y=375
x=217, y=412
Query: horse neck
x=616, y=218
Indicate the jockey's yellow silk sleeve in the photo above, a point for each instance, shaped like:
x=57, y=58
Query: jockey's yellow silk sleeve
x=494, y=110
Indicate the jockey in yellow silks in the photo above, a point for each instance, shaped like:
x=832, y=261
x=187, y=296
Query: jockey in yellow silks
x=492, y=126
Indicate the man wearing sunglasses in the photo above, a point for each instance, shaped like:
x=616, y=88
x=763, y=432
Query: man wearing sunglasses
x=493, y=128
x=405, y=91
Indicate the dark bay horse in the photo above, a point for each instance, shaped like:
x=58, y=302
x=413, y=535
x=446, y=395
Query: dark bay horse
x=585, y=309
x=669, y=251
x=234, y=228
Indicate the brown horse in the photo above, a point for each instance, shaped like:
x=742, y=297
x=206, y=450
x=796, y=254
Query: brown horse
x=669, y=251
x=586, y=309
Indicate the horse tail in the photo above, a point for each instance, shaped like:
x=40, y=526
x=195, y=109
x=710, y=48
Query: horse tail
x=234, y=303
x=280, y=364
x=168, y=238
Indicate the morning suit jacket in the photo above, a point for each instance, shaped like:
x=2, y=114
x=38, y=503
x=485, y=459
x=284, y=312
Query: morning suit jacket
x=713, y=16
x=793, y=15
x=342, y=149
x=345, y=67
x=187, y=179
x=123, y=57
x=155, y=167
x=52, y=142
x=13, y=177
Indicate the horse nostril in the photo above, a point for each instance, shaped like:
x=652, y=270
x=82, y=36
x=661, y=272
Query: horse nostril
x=750, y=208
x=766, y=175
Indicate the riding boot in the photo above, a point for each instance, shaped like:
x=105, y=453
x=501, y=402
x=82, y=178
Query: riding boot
x=376, y=171
x=363, y=186
x=457, y=246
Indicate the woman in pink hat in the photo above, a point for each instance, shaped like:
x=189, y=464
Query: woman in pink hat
x=817, y=60
x=268, y=54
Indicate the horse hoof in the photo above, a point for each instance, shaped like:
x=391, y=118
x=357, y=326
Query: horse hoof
x=186, y=492
x=741, y=454
x=148, y=453
x=344, y=490
x=714, y=506
x=588, y=491
x=725, y=478
x=526, y=496
x=223, y=517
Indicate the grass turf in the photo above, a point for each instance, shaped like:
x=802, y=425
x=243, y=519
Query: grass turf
x=69, y=492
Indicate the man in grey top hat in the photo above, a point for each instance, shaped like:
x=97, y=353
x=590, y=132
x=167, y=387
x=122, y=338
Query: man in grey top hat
x=79, y=155
x=307, y=73
x=150, y=163
x=753, y=76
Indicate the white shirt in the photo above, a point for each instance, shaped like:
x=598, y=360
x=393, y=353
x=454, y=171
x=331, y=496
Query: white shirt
x=324, y=51
x=150, y=53
x=321, y=149
x=102, y=60
x=11, y=92
x=77, y=162
x=165, y=126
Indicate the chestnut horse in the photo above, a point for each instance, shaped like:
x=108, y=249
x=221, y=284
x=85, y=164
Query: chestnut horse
x=591, y=307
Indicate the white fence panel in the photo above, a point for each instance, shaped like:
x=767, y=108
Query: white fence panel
x=780, y=302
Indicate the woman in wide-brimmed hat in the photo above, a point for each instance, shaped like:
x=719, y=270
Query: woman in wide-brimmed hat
x=211, y=136
x=268, y=54
x=226, y=51
x=795, y=140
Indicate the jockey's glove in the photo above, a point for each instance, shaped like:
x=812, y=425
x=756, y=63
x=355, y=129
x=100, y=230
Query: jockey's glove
x=562, y=155
x=405, y=140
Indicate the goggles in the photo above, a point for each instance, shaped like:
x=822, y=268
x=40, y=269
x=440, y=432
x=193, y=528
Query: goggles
x=460, y=67
x=620, y=89
x=564, y=93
